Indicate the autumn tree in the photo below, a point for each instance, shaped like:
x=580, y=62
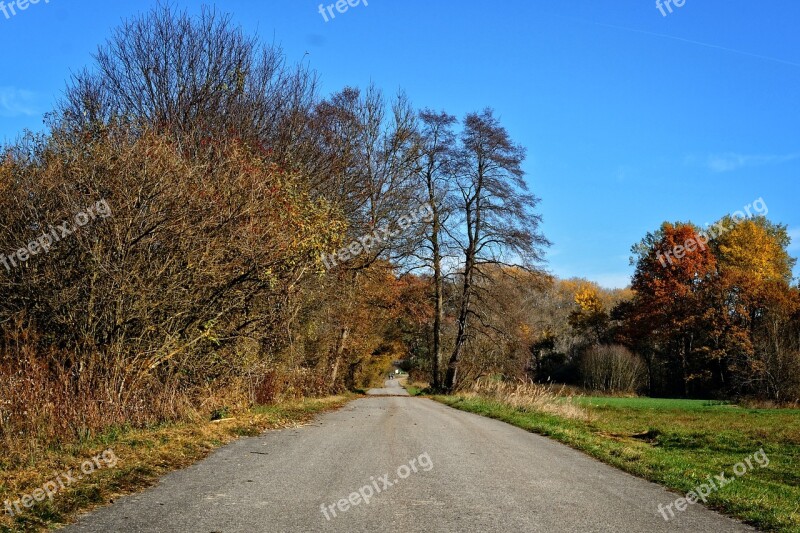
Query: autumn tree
x=370, y=145
x=755, y=247
x=750, y=296
x=705, y=302
x=775, y=368
x=591, y=317
x=673, y=265
x=197, y=79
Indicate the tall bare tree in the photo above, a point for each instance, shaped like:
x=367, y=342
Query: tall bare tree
x=499, y=225
x=436, y=171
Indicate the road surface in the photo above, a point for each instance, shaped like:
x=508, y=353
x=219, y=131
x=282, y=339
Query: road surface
x=428, y=468
x=392, y=387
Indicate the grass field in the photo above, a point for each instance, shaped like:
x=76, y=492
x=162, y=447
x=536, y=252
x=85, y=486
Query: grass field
x=653, y=403
x=679, y=443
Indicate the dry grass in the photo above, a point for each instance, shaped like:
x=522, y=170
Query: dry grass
x=47, y=407
x=54, y=416
x=531, y=397
x=755, y=403
x=43, y=406
x=144, y=455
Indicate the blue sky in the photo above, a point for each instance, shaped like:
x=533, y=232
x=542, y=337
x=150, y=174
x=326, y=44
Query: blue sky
x=630, y=117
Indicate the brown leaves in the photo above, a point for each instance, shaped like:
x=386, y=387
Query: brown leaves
x=701, y=306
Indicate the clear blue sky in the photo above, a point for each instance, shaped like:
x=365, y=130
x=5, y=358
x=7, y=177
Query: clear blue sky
x=630, y=117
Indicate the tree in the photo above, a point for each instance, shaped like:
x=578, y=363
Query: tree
x=197, y=79
x=591, y=317
x=755, y=247
x=372, y=159
x=776, y=336
x=498, y=221
x=750, y=297
x=436, y=168
x=673, y=265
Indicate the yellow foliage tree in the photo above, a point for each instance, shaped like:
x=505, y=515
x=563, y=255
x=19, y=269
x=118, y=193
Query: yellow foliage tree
x=755, y=248
x=589, y=300
x=591, y=316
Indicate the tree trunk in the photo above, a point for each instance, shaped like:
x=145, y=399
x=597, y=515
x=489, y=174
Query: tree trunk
x=438, y=289
x=473, y=221
x=343, y=334
x=685, y=350
x=463, y=315
x=437, y=328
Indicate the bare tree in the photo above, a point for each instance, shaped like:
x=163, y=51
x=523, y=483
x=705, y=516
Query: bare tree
x=196, y=79
x=368, y=146
x=499, y=225
x=436, y=170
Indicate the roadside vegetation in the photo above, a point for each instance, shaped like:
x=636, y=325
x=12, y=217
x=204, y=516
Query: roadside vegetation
x=143, y=454
x=676, y=443
x=416, y=389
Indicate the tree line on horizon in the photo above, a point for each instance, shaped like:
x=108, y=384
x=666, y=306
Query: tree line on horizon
x=720, y=321
x=229, y=178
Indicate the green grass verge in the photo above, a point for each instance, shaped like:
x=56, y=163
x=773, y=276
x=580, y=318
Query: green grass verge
x=654, y=403
x=414, y=391
x=678, y=443
x=144, y=455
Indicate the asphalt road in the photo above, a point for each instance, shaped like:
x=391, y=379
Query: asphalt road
x=422, y=466
x=392, y=387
